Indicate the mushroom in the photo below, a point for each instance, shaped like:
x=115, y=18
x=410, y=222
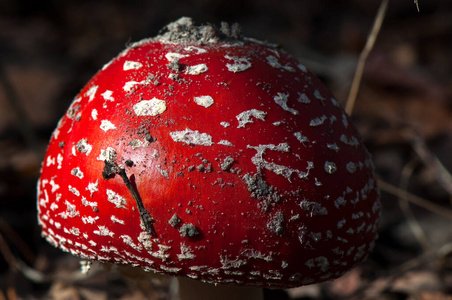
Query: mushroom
x=199, y=153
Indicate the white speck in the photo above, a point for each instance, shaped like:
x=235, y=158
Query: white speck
x=284, y=171
x=130, y=84
x=70, y=210
x=225, y=143
x=301, y=138
x=186, y=252
x=315, y=236
x=251, y=253
x=89, y=219
x=358, y=215
x=172, y=56
x=332, y=119
x=94, y=114
x=341, y=223
x=330, y=167
x=91, y=93
x=281, y=99
x=74, y=191
x=333, y=147
x=74, y=231
x=108, y=155
x=132, y=65
x=239, y=63
x=161, y=252
x=107, y=64
x=84, y=147
x=55, y=186
x=205, y=101
x=197, y=49
x=104, y=231
x=340, y=201
x=93, y=187
x=318, y=121
x=77, y=172
x=228, y=263
x=320, y=262
x=344, y=120
x=56, y=132
x=191, y=137
x=245, y=117
x=128, y=241
x=118, y=200
x=85, y=202
x=151, y=107
x=116, y=220
x=335, y=103
x=274, y=62
x=353, y=141
x=170, y=269
x=317, y=182
x=225, y=124
x=196, y=69
x=351, y=167
x=318, y=95
x=302, y=68
x=107, y=125
x=59, y=160
x=360, y=252
x=303, y=98
x=136, y=143
x=315, y=208
x=50, y=161
x=107, y=95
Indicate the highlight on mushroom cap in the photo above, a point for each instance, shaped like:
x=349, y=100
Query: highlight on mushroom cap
x=245, y=168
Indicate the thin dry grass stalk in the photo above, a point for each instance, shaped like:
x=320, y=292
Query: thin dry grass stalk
x=428, y=205
x=363, y=56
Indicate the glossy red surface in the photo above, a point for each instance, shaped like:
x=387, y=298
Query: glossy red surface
x=251, y=171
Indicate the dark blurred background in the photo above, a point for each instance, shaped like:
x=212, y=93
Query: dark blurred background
x=50, y=49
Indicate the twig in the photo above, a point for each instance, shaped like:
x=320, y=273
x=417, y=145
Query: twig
x=414, y=225
x=437, y=209
x=111, y=168
x=363, y=56
x=417, y=5
x=145, y=217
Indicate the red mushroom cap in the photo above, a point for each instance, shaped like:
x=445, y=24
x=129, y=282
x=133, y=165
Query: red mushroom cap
x=248, y=169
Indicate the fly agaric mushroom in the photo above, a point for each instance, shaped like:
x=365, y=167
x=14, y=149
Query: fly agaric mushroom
x=203, y=154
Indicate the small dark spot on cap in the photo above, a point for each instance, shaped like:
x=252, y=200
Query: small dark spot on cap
x=149, y=138
x=129, y=163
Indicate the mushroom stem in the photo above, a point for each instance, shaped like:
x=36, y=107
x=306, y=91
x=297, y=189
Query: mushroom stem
x=192, y=289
